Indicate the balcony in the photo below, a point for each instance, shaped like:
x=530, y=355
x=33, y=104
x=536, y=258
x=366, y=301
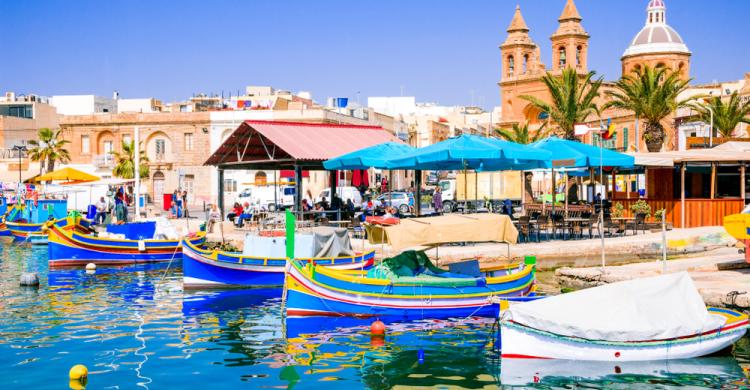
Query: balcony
x=104, y=161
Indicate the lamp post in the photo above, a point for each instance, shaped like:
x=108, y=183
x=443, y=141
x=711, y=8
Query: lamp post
x=711, y=127
x=20, y=149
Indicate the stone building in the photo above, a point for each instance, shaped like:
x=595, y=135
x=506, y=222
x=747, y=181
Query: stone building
x=656, y=45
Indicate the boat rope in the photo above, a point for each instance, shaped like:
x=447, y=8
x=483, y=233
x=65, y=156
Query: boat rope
x=179, y=245
x=732, y=296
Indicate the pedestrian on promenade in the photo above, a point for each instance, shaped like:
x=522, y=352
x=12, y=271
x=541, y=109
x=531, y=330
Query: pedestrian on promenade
x=185, y=203
x=119, y=206
x=437, y=200
x=214, y=217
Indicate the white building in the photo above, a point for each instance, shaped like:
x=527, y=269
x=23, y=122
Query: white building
x=83, y=104
x=138, y=105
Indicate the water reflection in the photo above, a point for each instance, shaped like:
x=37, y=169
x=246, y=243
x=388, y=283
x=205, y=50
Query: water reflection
x=135, y=327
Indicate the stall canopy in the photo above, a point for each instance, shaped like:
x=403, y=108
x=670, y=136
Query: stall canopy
x=376, y=156
x=471, y=152
x=284, y=145
x=574, y=154
x=67, y=174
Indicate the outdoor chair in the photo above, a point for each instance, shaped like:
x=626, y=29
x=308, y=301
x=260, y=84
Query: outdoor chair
x=640, y=222
x=559, y=224
x=524, y=228
x=609, y=225
x=542, y=224
x=592, y=224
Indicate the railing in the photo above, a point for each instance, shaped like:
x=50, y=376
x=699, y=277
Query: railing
x=104, y=160
x=698, y=212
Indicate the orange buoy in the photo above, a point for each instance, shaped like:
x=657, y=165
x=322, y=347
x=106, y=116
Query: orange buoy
x=377, y=340
x=377, y=328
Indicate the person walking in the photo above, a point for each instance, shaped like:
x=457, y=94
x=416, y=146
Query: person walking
x=437, y=200
x=185, y=204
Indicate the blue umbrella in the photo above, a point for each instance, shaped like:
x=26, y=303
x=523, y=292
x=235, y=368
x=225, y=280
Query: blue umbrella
x=574, y=154
x=470, y=152
x=376, y=156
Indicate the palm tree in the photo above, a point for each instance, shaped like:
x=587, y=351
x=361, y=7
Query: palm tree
x=726, y=116
x=49, y=148
x=572, y=99
x=520, y=133
x=125, y=162
x=651, y=94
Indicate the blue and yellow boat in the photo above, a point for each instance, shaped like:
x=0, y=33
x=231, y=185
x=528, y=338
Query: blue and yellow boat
x=213, y=268
x=72, y=248
x=404, y=287
x=31, y=217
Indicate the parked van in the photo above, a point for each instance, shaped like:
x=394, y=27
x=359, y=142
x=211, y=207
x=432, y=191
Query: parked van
x=263, y=196
x=344, y=193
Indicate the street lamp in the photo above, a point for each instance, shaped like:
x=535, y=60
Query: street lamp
x=20, y=149
x=711, y=127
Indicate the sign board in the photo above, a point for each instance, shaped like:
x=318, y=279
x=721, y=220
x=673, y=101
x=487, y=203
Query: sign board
x=563, y=163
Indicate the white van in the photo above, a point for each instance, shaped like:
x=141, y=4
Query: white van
x=263, y=196
x=344, y=193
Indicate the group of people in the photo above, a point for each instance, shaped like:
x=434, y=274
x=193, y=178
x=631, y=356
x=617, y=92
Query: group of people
x=179, y=209
x=114, y=205
x=325, y=210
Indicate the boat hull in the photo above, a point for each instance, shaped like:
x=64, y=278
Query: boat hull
x=521, y=342
x=310, y=292
x=74, y=249
x=216, y=269
x=21, y=231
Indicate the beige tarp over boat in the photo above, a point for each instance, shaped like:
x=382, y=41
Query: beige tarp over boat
x=420, y=232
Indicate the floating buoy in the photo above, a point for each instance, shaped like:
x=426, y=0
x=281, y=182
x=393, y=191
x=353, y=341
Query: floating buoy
x=90, y=266
x=377, y=328
x=29, y=279
x=75, y=384
x=377, y=340
x=78, y=372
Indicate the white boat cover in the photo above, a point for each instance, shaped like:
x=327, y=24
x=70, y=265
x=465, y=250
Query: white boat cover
x=654, y=308
x=318, y=242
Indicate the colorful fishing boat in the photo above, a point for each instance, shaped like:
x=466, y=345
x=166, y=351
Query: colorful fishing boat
x=212, y=268
x=657, y=318
x=407, y=286
x=71, y=248
x=31, y=217
x=36, y=233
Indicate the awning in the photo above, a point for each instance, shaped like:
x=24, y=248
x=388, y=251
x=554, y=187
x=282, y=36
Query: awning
x=376, y=156
x=67, y=174
x=277, y=145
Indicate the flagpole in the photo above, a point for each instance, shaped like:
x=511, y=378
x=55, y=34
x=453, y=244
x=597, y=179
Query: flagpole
x=137, y=174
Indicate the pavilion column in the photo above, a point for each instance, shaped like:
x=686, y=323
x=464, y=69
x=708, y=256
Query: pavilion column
x=418, y=192
x=713, y=180
x=298, y=191
x=742, y=181
x=333, y=177
x=682, y=195
x=221, y=192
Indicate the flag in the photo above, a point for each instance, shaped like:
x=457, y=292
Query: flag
x=610, y=132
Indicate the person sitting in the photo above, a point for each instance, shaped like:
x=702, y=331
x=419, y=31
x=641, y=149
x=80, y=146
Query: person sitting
x=348, y=209
x=324, y=203
x=235, y=213
x=101, y=211
x=319, y=215
x=214, y=217
x=246, y=214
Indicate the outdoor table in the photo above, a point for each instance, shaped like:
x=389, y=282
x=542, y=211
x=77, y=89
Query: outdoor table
x=577, y=221
x=622, y=223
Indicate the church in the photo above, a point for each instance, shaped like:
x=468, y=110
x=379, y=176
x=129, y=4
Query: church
x=655, y=45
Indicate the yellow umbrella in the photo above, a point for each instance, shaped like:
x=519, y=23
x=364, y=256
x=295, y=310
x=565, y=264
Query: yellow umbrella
x=66, y=174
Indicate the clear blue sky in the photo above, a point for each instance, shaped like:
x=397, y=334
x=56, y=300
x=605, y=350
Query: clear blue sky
x=435, y=50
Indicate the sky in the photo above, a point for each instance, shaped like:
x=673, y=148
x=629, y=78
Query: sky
x=439, y=51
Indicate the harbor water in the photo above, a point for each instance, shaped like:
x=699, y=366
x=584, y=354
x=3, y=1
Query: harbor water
x=135, y=327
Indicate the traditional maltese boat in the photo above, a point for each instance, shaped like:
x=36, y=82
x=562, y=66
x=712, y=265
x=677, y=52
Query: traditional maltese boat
x=71, y=248
x=263, y=261
x=656, y=318
x=407, y=286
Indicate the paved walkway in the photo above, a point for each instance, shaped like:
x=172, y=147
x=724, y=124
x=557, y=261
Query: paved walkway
x=721, y=276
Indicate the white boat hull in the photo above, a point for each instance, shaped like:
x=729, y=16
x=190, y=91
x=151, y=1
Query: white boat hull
x=520, y=342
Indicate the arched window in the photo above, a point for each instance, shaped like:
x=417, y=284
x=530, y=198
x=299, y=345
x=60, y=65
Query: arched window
x=525, y=63
x=579, y=50
x=637, y=68
x=511, y=66
x=561, y=52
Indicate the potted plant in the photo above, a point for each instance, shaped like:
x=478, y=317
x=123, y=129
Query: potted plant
x=654, y=140
x=618, y=210
x=641, y=207
x=659, y=214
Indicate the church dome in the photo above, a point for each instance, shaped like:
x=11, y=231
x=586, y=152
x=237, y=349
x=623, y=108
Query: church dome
x=656, y=36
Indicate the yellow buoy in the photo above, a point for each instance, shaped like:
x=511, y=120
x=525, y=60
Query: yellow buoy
x=75, y=384
x=78, y=372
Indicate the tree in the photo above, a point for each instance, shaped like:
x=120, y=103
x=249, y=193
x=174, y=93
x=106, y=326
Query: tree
x=49, y=148
x=572, y=99
x=520, y=133
x=726, y=115
x=651, y=94
x=125, y=162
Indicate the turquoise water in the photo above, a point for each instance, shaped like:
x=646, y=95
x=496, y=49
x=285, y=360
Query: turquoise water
x=135, y=328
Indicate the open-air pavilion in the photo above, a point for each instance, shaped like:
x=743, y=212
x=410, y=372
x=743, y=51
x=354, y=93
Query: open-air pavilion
x=277, y=145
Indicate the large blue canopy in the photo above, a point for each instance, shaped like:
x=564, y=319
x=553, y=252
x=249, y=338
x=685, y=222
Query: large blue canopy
x=574, y=154
x=376, y=156
x=471, y=152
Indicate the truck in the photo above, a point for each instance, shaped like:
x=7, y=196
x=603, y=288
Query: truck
x=484, y=186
